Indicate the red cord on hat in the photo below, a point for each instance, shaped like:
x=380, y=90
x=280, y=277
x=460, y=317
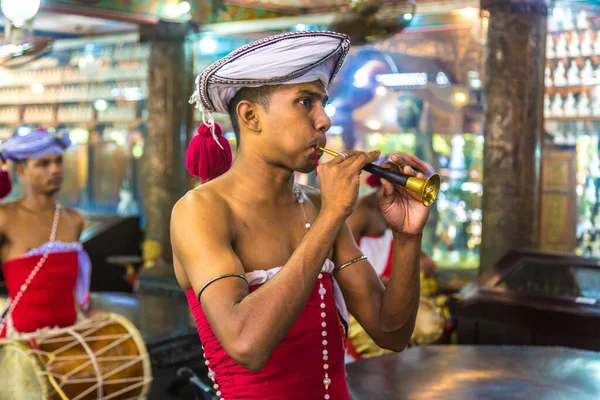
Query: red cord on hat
x=207, y=158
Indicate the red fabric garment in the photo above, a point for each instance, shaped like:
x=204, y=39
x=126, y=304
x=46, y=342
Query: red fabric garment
x=49, y=300
x=388, y=267
x=294, y=371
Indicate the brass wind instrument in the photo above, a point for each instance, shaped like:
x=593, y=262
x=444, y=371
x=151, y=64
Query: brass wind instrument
x=427, y=189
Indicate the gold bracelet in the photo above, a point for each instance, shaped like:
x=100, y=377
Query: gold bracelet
x=363, y=257
x=217, y=278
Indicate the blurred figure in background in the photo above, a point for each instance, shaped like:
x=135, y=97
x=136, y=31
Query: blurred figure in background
x=375, y=240
x=372, y=233
x=47, y=272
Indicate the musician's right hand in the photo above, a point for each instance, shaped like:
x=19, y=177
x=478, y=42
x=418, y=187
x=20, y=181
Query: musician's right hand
x=339, y=179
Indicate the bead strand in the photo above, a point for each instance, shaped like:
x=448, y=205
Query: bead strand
x=34, y=272
x=211, y=376
x=300, y=199
x=326, y=379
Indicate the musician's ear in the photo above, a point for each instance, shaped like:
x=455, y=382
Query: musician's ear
x=248, y=115
x=21, y=166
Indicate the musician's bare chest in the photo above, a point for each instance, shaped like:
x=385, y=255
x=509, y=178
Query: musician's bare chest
x=266, y=237
x=27, y=230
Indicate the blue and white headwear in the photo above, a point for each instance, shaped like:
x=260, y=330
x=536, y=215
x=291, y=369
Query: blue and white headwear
x=289, y=58
x=33, y=145
x=294, y=57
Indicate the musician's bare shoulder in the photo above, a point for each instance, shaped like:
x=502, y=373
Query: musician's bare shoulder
x=205, y=203
x=11, y=213
x=200, y=222
x=75, y=219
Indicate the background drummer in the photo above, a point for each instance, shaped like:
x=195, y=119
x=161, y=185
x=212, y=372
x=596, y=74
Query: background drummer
x=372, y=233
x=375, y=239
x=46, y=270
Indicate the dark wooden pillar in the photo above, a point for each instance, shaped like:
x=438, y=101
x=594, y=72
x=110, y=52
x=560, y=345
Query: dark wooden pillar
x=513, y=126
x=170, y=84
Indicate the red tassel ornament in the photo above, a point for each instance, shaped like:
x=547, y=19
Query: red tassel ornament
x=5, y=183
x=209, y=153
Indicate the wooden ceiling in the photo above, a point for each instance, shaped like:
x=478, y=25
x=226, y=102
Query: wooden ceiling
x=290, y=6
x=310, y=6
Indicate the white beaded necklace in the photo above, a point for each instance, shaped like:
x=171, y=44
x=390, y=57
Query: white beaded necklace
x=33, y=273
x=300, y=199
x=322, y=291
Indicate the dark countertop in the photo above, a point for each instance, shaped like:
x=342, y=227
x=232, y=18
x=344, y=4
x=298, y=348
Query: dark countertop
x=478, y=372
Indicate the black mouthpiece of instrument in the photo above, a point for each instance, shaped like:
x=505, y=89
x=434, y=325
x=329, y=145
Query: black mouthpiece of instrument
x=389, y=175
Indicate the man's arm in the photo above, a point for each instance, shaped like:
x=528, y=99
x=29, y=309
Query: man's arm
x=387, y=313
x=358, y=221
x=79, y=223
x=249, y=326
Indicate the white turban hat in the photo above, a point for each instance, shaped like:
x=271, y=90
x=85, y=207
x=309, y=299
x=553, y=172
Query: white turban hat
x=295, y=57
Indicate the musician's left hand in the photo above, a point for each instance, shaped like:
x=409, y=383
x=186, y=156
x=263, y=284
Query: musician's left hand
x=403, y=209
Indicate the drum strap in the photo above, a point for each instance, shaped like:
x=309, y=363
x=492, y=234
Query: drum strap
x=57, y=388
x=51, y=378
x=5, y=312
x=33, y=344
x=55, y=385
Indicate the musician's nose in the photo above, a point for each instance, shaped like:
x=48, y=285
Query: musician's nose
x=322, y=122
